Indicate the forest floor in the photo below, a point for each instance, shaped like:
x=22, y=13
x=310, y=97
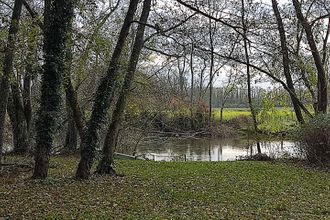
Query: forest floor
x=174, y=190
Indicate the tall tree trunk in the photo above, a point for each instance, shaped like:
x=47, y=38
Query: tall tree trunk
x=30, y=71
x=322, y=98
x=76, y=119
x=104, y=96
x=105, y=165
x=286, y=62
x=192, y=118
x=248, y=73
x=211, y=72
x=57, y=19
x=8, y=67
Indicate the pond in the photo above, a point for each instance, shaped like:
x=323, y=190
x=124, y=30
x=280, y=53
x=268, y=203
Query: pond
x=213, y=149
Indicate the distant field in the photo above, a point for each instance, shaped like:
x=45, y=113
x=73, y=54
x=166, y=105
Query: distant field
x=230, y=113
x=277, y=120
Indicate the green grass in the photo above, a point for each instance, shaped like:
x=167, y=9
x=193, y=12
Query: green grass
x=230, y=113
x=159, y=190
x=277, y=120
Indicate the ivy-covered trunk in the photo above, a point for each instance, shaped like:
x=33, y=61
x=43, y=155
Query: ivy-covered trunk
x=57, y=20
x=8, y=66
x=103, y=98
x=106, y=164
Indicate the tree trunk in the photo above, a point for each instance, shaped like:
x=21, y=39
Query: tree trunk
x=192, y=118
x=181, y=77
x=247, y=58
x=211, y=72
x=27, y=106
x=71, y=139
x=322, y=98
x=20, y=132
x=105, y=165
x=221, y=113
x=286, y=62
x=325, y=43
x=8, y=67
x=103, y=99
x=57, y=19
x=75, y=112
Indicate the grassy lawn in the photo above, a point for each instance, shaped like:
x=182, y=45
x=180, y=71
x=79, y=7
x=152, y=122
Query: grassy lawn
x=151, y=190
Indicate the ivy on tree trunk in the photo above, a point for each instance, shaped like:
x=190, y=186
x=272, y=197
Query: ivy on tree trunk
x=8, y=66
x=106, y=164
x=57, y=20
x=103, y=98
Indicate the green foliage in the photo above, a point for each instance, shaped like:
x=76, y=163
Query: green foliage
x=277, y=120
x=315, y=137
x=175, y=190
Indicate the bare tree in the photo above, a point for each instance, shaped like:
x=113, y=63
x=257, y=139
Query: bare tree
x=286, y=61
x=322, y=97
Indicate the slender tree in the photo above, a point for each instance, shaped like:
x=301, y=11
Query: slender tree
x=286, y=61
x=106, y=164
x=322, y=97
x=211, y=34
x=248, y=71
x=57, y=19
x=103, y=98
x=8, y=66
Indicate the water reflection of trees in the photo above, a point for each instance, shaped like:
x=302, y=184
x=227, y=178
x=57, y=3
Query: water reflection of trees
x=273, y=149
x=215, y=149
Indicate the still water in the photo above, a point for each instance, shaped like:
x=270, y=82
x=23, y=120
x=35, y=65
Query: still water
x=214, y=149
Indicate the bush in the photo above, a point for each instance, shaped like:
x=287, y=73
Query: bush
x=315, y=138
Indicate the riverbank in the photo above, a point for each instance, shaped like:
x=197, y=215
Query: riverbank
x=159, y=190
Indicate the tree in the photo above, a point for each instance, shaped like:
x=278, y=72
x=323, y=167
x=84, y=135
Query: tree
x=286, y=61
x=106, y=164
x=8, y=66
x=103, y=98
x=322, y=96
x=57, y=20
x=248, y=71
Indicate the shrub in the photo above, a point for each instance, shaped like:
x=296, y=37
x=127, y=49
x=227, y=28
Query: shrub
x=315, y=139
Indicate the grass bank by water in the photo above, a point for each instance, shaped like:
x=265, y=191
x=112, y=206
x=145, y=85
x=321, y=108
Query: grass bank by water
x=272, y=121
x=151, y=190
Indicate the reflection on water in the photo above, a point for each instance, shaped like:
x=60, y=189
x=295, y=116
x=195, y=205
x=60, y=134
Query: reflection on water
x=214, y=149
